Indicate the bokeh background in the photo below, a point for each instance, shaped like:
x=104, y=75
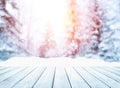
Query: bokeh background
x=92, y=30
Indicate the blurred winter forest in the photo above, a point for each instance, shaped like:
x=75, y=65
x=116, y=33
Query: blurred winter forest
x=93, y=31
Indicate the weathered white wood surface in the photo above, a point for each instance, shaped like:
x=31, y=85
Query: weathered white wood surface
x=59, y=77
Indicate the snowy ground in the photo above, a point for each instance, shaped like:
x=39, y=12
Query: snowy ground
x=63, y=61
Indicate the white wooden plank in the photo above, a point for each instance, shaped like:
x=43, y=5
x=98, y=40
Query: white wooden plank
x=116, y=69
x=10, y=73
x=112, y=70
x=64, y=78
x=108, y=74
x=61, y=80
x=2, y=68
x=5, y=70
x=92, y=81
x=75, y=79
x=110, y=82
x=46, y=79
x=30, y=80
x=8, y=83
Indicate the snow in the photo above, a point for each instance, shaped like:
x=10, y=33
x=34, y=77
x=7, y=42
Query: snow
x=103, y=43
x=109, y=46
x=61, y=62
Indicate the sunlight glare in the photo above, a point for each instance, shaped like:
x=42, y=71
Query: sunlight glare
x=52, y=12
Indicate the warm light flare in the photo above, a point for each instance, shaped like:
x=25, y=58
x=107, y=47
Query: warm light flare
x=48, y=16
x=52, y=27
x=52, y=12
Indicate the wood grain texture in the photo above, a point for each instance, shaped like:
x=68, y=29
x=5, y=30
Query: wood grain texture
x=59, y=77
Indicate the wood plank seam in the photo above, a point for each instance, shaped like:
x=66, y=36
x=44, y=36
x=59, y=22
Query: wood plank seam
x=96, y=77
x=23, y=77
x=116, y=69
x=53, y=78
x=68, y=78
x=8, y=70
x=106, y=75
x=13, y=75
x=113, y=72
x=82, y=77
x=39, y=77
x=110, y=74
